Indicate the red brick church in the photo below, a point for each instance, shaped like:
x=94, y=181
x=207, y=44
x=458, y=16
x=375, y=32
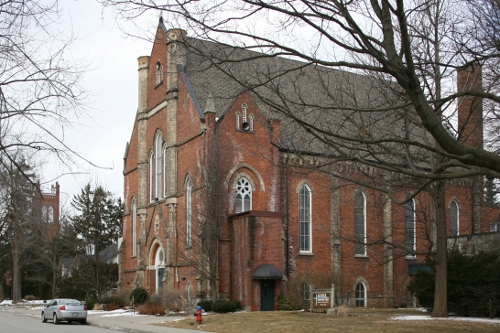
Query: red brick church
x=220, y=204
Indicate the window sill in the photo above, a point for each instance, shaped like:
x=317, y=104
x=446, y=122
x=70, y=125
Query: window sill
x=306, y=254
x=362, y=256
x=410, y=257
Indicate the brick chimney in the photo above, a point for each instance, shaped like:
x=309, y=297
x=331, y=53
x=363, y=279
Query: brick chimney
x=470, y=108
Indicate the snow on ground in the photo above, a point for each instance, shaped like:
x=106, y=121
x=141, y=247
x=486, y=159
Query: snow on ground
x=469, y=319
x=114, y=313
x=8, y=302
x=181, y=316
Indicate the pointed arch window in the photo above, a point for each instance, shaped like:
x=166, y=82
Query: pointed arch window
x=360, y=224
x=160, y=269
x=44, y=214
x=134, y=228
x=165, y=172
x=360, y=295
x=244, y=110
x=189, y=222
x=50, y=213
x=238, y=116
x=151, y=177
x=305, y=219
x=250, y=121
x=410, y=228
x=454, y=215
x=159, y=73
x=243, y=202
x=158, y=166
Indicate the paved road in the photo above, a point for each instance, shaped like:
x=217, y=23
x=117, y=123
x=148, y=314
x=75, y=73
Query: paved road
x=15, y=319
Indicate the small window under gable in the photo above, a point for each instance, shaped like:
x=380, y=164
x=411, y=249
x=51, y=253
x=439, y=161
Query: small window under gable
x=238, y=116
x=159, y=73
x=244, y=121
x=244, y=112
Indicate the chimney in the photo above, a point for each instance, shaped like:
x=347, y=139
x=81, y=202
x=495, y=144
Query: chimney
x=470, y=108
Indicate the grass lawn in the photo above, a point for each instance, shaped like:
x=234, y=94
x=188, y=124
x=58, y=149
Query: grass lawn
x=357, y=320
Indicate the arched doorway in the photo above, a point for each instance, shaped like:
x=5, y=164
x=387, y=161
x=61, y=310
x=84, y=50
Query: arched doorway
x=160, y=269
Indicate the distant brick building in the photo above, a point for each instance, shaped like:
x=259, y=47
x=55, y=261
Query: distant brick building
x=217, y=204
x=47, y=204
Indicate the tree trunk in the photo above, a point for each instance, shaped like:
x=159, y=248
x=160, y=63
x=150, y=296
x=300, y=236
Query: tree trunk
x=16, y=277
x=440, y=308
x=54, y=278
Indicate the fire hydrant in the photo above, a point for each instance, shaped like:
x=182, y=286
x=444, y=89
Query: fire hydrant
x=198, y=314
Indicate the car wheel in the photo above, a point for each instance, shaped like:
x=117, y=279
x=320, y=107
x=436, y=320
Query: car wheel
x=44, y=320
x=56, y=320
x=83, y=322
x=70, y=321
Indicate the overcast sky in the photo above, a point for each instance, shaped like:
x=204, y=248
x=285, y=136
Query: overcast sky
x=112, y=81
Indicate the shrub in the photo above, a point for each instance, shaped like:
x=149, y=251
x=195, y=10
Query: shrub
x=206, y=305
x=285, y=304
x=139, y=295
x=174, y=300
x=90, y=302
x=114, y=302
x=29, y=297
x=472, y=282
x=153, y=306
x=225, y=306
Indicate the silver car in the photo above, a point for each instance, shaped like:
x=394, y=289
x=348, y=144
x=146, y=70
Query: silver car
x=64, y=309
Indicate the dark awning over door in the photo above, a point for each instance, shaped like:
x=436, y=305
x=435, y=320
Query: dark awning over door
x=267, y=271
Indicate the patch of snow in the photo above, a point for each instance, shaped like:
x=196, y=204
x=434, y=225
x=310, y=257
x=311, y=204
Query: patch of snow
x=469, y=319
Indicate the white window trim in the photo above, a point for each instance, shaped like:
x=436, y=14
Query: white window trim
x=238, y=116
x=250, y=119
x=165, y=179
x=244, y=110
x=134, y=228
x=158, y=166
x=241, y=193
x=364, y=224
x=414, y=249
x=364, y=294
x=309, y=251
x=189, y=214
x=151, y=177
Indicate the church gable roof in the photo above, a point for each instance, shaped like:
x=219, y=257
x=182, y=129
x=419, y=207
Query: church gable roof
x=342, y=105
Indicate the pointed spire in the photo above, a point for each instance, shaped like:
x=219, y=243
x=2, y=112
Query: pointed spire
x=210, y=106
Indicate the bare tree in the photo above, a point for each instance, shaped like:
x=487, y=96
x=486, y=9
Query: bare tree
x=18, y=219
x=40, y=91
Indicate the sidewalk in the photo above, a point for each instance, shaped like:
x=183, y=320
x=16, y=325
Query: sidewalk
x=122, y=321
